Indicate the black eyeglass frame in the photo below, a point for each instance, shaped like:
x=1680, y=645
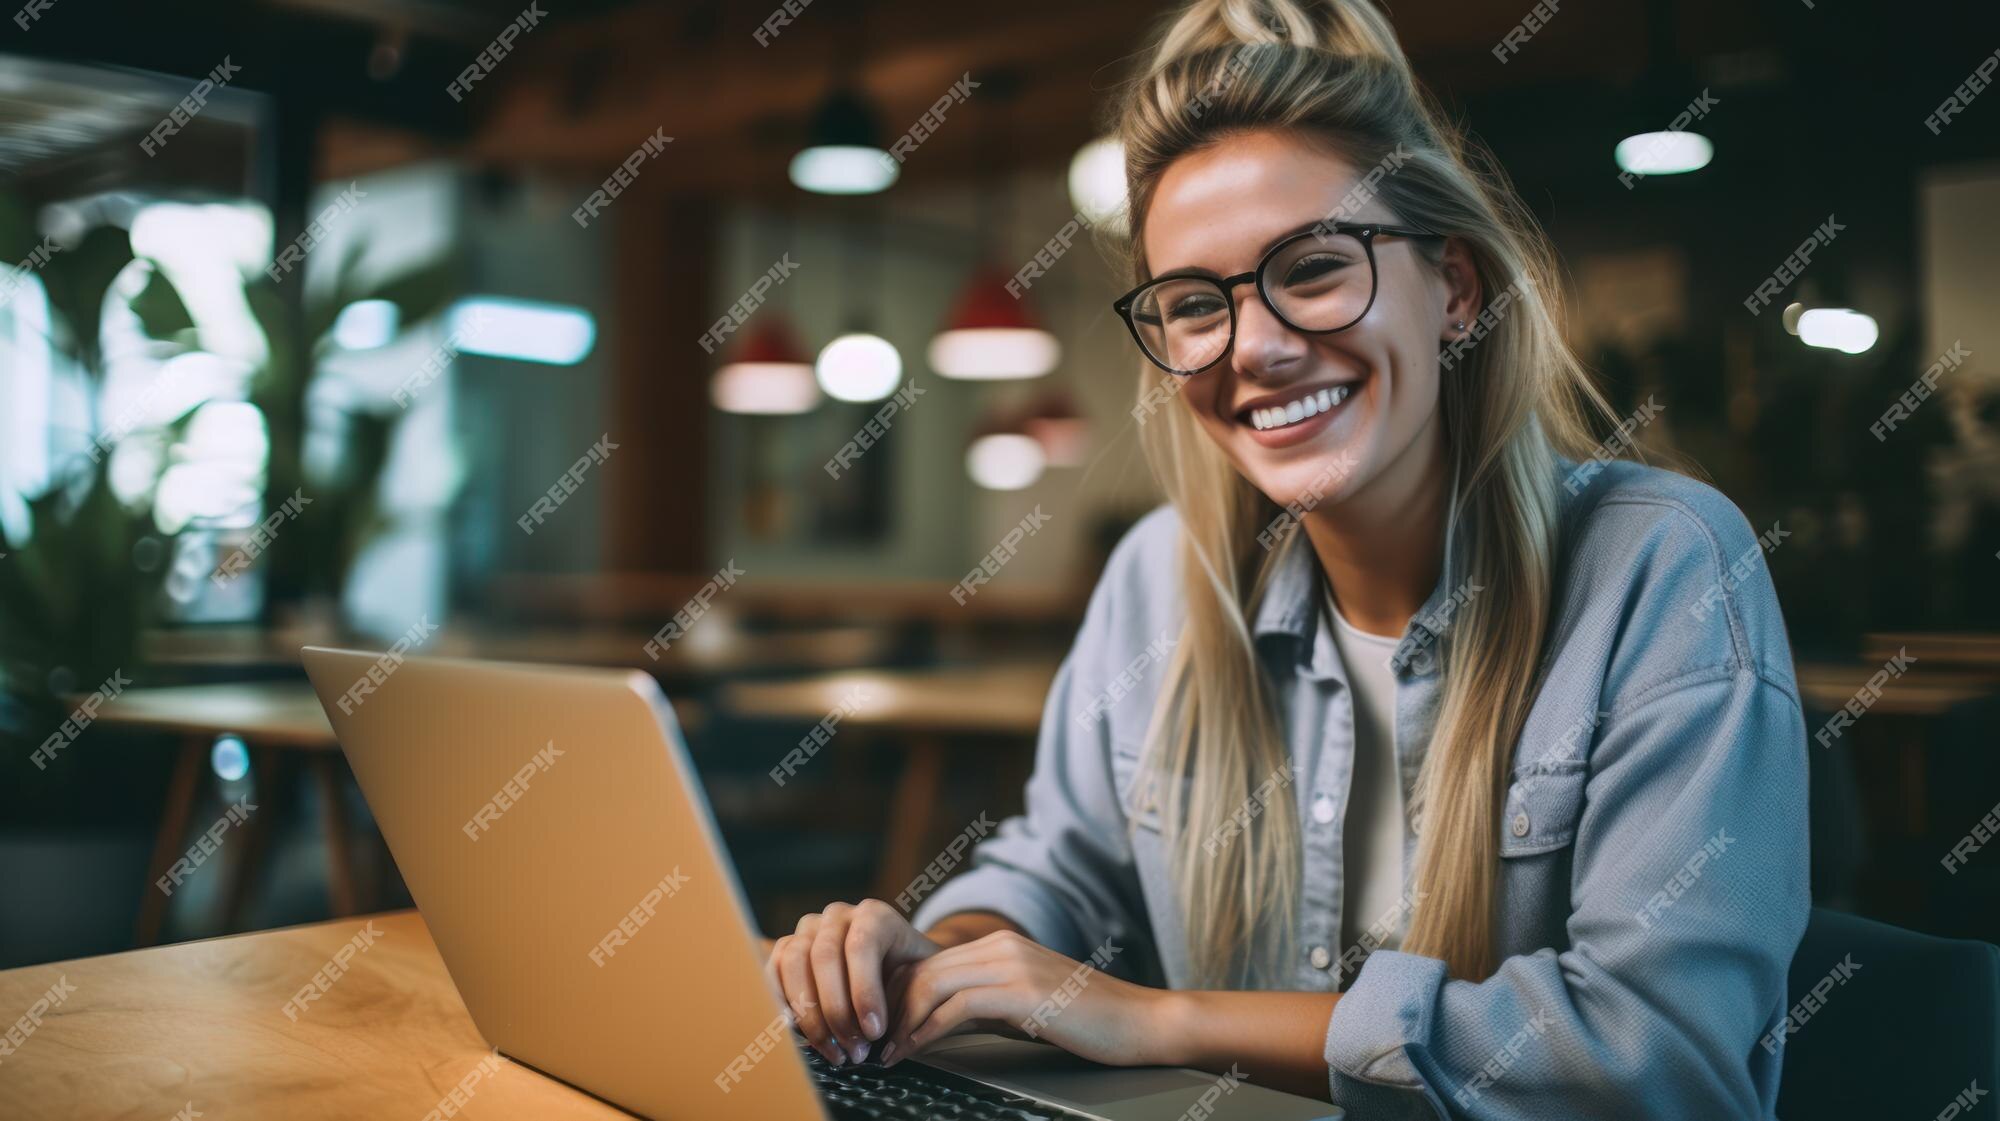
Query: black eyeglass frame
x=1366, y=231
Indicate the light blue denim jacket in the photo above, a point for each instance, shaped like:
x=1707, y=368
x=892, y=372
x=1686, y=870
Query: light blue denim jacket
x=1653, y=880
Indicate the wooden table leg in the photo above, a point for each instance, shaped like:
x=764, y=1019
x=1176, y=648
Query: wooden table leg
x=273, y=776
x=167, y=844
x=333, y=816
x=911, y=810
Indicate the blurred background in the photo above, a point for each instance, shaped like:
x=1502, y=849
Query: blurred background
x=547, y=333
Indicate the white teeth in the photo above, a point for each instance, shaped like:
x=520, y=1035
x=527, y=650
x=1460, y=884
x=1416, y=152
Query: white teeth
x=1278, y=416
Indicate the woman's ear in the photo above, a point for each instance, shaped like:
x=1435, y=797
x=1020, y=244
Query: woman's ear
x=1463, y=295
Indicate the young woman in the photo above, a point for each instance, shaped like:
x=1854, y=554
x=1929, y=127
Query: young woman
x=1415, y=756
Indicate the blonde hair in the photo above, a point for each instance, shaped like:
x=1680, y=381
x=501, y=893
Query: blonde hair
x=1333, y=73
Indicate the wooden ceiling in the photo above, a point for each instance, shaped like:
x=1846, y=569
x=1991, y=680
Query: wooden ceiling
x=580, y=92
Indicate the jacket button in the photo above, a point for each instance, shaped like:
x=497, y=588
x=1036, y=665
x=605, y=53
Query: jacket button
x=1321, y=958
x=1520, y=825
x=1323, y=809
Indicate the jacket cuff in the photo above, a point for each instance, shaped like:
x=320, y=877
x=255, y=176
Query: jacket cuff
x=1386, y=1010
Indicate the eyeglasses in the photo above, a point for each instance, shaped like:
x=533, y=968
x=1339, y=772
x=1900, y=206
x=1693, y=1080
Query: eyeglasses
x=1317, y=281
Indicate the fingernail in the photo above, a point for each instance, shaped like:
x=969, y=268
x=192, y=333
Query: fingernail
x=889, y=1055
x=872, y=1024
x=857, y=1050
x=832, y=1054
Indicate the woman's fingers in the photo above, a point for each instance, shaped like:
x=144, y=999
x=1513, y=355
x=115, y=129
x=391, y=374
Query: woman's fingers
x=963, y=1008
x=829, y=966
x=929, y=988
x=801, y=993
x=879, y=938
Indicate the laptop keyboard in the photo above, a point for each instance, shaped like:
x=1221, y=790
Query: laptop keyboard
x=914, y=1092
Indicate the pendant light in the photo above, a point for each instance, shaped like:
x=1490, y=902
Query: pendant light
x=1001, y=456
x=769, y=373
x=1666, y=107
x=860, y=365
x=844, y=153
x=991, y=333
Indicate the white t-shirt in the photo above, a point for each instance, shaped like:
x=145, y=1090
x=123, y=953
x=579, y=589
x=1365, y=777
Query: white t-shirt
x=1372, y=835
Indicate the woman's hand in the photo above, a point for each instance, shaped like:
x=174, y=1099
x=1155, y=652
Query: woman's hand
x=1010, y=983
x=830, y=972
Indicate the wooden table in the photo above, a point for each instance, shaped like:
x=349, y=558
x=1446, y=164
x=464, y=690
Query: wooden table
x=275, y=719
x=919, y=709
x=278, y=721
x=146, y=1033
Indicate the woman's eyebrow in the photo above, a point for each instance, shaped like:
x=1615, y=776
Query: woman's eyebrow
x=1196, y=270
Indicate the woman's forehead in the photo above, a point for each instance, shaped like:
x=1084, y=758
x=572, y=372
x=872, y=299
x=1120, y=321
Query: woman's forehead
x=1218, y=206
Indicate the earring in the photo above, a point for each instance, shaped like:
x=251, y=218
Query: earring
x=1459, y=325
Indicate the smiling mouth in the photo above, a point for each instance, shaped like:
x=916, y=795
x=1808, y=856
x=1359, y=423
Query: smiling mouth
x=1270, y=417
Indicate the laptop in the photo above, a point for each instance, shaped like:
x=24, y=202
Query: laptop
x=560, y=848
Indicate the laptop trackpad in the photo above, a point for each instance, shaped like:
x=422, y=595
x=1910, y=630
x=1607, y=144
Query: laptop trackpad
x=1051, y=1074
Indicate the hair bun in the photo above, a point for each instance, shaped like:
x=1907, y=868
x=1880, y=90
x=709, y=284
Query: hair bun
x=1348, y=28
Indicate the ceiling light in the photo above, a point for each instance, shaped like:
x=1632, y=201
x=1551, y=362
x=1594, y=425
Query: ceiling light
x=1004, y=461
x=524, y=330
x=768, y=376
x=843, y=153
x=990, y=335
x=859, y=367
x=1097, y=183
x=1663, y=153
x=1838, y=328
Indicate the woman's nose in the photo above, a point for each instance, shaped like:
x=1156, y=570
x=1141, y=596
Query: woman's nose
x=1264, y=346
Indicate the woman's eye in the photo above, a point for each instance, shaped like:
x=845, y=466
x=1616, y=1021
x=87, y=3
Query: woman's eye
x=1308, y=269
x=1194, y=307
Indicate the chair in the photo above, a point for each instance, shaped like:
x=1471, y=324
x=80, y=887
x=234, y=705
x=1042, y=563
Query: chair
x=1911, y=1027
